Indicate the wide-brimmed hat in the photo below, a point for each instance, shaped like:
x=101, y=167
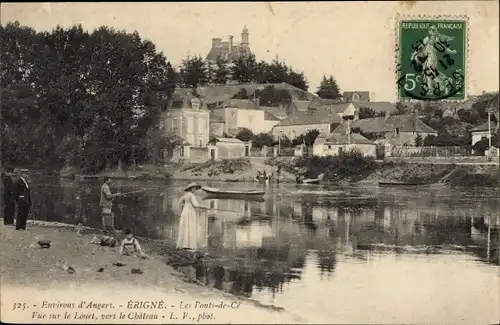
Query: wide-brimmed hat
x=191, y=185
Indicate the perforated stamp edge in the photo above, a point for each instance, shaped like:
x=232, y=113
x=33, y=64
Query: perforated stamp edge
x=401, y=17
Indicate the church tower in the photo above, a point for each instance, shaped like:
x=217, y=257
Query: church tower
x=245, y=44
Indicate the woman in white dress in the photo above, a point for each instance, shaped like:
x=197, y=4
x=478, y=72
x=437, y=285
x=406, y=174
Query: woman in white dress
x=188, y=226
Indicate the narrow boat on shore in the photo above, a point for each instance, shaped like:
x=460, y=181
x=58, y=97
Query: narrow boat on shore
x=215, y=192
x=398, y=184
x=316, y=180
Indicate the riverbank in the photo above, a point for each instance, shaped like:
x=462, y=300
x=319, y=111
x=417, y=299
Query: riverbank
x=350, y=169
x=24, y=264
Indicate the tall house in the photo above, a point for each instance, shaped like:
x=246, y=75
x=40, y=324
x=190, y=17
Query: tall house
x=189, y=119
x=230, y=50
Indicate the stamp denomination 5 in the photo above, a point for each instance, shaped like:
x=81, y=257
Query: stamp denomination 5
x=432, y=59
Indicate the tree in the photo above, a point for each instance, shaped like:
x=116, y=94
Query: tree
x=401, y=109
x=307, y=139
x=366, y=112
x=263, y=139
x=328, y=88
x=418, y=140
x=241, y=94
x=245, y=135
x=270, y=96
x=194, y=72
x=244, y=69
x=277, y=72
x=298, y=80
x=221, y=71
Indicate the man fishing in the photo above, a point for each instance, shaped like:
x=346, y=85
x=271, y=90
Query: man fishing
x=106, y=203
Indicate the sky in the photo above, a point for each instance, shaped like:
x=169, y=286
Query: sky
x=353, y=41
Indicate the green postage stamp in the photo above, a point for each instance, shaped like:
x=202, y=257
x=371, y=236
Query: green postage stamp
x=432, y=58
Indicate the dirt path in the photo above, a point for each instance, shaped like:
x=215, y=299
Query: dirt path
x=29, y=275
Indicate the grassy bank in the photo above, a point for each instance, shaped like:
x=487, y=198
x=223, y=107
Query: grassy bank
x=24, y=263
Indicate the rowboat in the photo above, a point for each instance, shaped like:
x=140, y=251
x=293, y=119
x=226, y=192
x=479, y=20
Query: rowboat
x=398, y=184
x=232, y=193
x=313, y=180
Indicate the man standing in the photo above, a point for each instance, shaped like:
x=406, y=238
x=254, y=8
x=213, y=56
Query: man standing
x=9, y=197
x=106, y=203
x=23, y=198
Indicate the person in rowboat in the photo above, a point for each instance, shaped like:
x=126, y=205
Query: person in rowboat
x=189, y=221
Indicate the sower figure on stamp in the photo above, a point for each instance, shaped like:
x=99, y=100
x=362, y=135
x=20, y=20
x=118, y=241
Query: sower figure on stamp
x=9, y=197
x=23, y=198
x=106, y=204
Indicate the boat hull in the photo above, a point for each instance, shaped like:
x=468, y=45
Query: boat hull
x=232, y=194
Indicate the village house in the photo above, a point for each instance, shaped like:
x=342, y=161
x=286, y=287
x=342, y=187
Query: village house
x=227, y=148
x=243, y=113
x=356, y=96
x=333, y=144
x=481, y=132
x=397, y=129
x=298, y=123
x=187, y=120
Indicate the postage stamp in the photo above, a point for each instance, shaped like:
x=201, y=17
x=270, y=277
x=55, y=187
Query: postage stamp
x=432, y=58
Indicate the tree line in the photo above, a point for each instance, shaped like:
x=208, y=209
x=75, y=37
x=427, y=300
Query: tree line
x=195, y=71
x=78, y=98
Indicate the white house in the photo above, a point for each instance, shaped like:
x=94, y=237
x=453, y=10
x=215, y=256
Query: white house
x=481, y=132
x=335, y=143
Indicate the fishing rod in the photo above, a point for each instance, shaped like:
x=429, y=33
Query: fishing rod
x=127, y=193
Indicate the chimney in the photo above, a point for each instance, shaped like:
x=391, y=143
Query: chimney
x=216, y=42
x=231, y=43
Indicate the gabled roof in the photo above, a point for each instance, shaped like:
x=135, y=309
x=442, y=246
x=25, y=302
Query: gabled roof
x=406, y=123
x=242, y=104
x=277, y=112
x=341, y=139
x=270, y=117
x=484, y=127
x=327, y=101
x=335, y=108
x=321, y=116
x=300, y=105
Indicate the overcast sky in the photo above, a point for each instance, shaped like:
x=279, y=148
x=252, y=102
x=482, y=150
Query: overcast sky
x=353, y=41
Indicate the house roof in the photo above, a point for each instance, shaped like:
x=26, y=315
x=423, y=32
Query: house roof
x=228, y=140
x=406, y=123
x=270, y=117
x=320, y=116
x=300, y=105
x=277, y=112
x=223, y=51
x=335, y=108
x=326, y=101
x=242, y=104
x=363, y=95
x=378, y=107
x=341, y=139
x=484, y=127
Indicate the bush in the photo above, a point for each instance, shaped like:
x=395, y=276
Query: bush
x=352, y=165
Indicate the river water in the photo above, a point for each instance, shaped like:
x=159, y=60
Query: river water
x=329, y=254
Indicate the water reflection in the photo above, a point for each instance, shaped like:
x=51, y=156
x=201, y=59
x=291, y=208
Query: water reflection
x=265, y=245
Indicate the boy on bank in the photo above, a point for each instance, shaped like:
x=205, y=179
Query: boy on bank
x=130, y=247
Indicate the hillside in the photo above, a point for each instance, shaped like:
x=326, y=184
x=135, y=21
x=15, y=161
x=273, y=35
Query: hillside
x=220, y=93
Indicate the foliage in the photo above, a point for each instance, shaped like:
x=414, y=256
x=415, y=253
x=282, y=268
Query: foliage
x=244, y=69
x=241, y=94
x=483, y=145
x=446, y=139
x=193, y=72
x=263, y=139
x=245, y=135
x=270, y=96
x=368, y=112
x=221, y=72
x=307, y=139
x=401, y=109
x=70, y=96
x=351, y=164
x=328, y=88
x=419, y=141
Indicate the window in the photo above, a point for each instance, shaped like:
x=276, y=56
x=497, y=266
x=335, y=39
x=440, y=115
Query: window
x=396, y=131
x=181, y=151
x=175, y=123
x=355, y=97
x=189, y=124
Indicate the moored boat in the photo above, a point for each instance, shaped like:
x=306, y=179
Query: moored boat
x=316, y=180
x=212, y=191
x=398, y=184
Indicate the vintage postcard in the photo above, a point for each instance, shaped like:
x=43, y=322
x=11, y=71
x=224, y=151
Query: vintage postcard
x=250, y=162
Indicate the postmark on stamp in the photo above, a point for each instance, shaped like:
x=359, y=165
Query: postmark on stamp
x=431, y=58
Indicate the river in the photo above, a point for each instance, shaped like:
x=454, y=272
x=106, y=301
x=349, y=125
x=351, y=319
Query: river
x=329, y=254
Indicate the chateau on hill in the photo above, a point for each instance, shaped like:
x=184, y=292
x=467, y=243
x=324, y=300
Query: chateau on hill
x=229, y=50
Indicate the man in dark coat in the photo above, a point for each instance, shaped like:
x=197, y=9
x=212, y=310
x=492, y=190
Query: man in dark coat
x=23, y=198
x=9, y=197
